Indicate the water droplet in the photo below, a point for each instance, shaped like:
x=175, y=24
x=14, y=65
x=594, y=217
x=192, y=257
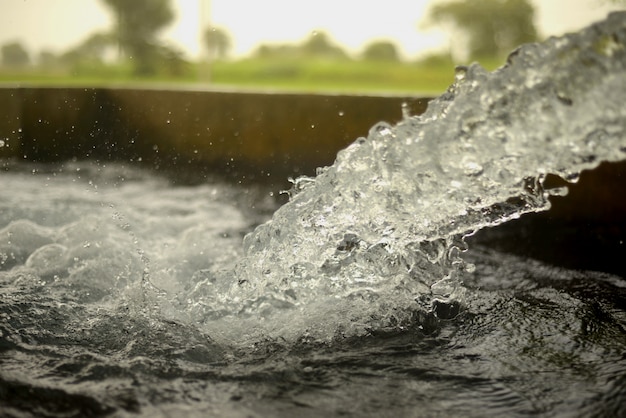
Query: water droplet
x=460, y=71
x=381, y=128
x=473, y=169
x=406, y=112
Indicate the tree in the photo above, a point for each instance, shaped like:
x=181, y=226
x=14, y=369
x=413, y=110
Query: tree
x=490, y=27
x=14, y=55
x=137, y=25
x=92, y=49
x=47, y=59
x=88, y=55
x=217, y=42
x=381, y=51
x=96, y=45
x=320, y=45
x=280, y=51
x=173, y=61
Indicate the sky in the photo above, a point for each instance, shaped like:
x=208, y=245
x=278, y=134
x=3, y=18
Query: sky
x=57, y=25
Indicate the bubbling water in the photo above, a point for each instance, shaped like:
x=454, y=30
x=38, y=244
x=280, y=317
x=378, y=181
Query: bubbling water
x=377, y=236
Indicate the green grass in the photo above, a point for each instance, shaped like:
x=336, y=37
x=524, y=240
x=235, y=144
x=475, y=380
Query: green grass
x=342, y=76
x=283, y=75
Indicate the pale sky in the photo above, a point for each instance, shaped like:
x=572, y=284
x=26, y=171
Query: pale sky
x=57, y=25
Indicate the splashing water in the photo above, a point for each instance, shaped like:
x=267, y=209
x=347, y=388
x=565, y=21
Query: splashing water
x=122, y=295
x=377, y=236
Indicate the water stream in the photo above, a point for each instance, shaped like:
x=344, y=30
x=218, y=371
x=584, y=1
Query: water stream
x=124, y=295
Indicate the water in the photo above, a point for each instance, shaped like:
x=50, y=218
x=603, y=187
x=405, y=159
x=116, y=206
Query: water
x=124, y=295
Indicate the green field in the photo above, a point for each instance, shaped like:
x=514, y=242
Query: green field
x=282, y=75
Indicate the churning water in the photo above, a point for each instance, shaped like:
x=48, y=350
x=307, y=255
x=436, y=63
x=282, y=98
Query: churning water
x=122, y=294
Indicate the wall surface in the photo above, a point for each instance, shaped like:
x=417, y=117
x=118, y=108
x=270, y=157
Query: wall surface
x=233, y=133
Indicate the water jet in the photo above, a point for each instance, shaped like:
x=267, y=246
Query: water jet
x=123, y=293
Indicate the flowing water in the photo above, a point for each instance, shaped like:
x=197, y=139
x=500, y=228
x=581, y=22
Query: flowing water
x=124, y=295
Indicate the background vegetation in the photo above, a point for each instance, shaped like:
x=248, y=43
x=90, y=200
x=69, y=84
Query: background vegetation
x=132, y=53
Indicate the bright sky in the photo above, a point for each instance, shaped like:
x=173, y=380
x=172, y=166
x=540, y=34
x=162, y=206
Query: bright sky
x=59, y=24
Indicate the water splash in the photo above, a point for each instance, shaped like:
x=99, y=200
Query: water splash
x=376, y=237
x=118, y=291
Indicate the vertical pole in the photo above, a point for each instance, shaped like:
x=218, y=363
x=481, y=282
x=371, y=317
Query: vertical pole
x=204, y=70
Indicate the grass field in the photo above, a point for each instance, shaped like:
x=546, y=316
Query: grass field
x=283, y=75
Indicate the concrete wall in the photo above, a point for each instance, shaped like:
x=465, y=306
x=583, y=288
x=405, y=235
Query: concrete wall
x=246, y=135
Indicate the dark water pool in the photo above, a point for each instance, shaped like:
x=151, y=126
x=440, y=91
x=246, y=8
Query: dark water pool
x=77, y=337
x=529, y=340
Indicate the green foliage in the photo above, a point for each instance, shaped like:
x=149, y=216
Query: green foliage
x=14, y=55
x=172, y=63
x=137, y=25
x=317, y=46
x=320, y=45
x=91, y=50
x=47, y=59
x=217, y=42
x=381, y=51
x=491, y=27
x=277, y=51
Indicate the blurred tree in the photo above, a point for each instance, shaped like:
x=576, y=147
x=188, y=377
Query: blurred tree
x=437, y=59
x=264, y=51
x=92, y=49
x=47, y=59
x=381, y=51
x=217, y=42
x=137, y=25
x=96, y=45
x=173, y=60
x=14, y=55
x=277, y=51
x=320, y=45
x=491, y=27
